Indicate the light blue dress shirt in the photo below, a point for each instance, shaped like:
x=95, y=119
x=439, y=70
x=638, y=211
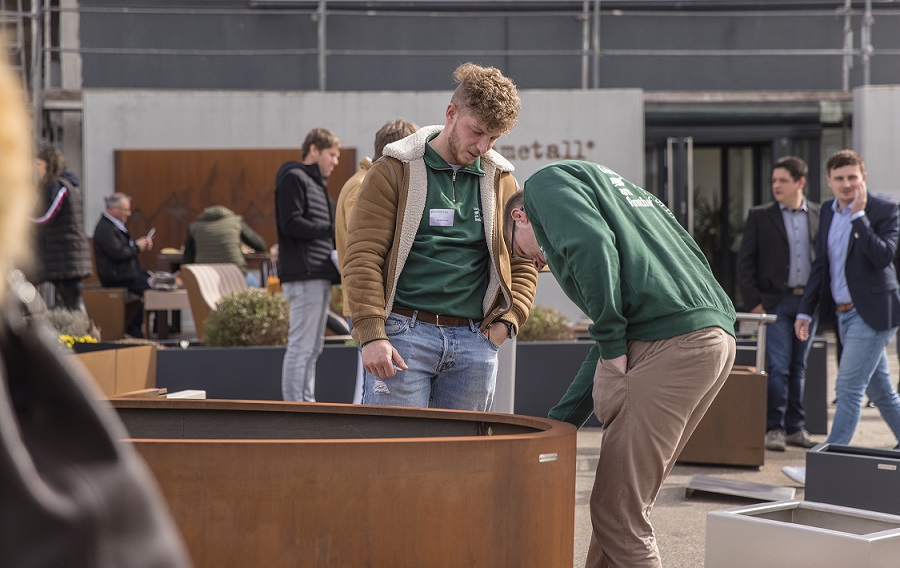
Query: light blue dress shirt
x=838, y=245
x=796, y=224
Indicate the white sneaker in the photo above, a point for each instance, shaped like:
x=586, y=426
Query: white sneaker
x=797, y=473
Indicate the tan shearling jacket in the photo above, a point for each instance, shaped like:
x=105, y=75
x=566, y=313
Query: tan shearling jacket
x=383, y=227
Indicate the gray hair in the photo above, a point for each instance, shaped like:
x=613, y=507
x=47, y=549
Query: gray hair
x=115, y=200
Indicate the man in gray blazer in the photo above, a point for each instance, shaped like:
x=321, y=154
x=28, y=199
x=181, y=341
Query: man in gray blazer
x=774, y=262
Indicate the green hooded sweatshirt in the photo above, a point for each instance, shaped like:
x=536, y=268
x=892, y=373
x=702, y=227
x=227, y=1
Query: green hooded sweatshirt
x=622, y=257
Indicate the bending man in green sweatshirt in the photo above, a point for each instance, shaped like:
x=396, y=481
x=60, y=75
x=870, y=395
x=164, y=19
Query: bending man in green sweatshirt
x=663, y=327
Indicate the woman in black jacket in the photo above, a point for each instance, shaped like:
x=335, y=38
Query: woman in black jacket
x=63, y=254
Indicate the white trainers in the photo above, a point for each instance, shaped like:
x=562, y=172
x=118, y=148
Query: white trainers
x=796, y=473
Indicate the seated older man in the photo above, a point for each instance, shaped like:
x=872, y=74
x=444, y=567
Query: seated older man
x=116, y=255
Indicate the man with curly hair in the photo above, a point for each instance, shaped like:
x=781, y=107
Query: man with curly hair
x=432, y=289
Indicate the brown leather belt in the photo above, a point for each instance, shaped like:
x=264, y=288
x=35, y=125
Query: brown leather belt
x=844, y=307
x=440, y=320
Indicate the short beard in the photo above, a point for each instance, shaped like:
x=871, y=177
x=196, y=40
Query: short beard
x=454, y=147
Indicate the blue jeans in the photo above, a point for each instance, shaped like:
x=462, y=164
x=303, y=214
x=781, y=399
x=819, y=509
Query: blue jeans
x=449, y=367
x=309, y=301
x=863, y=369
x=786, y=367
x=358, y=387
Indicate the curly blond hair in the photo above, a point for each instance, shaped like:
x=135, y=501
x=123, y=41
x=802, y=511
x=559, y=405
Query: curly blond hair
x=486, y=94
x=18, y=198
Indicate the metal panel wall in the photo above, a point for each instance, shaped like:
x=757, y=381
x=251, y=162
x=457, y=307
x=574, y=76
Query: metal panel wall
x=876, y=135
x=602, y=126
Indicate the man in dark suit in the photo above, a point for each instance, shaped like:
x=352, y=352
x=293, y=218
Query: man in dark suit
x=774, y=262
x=853, y=276
x=116, y=254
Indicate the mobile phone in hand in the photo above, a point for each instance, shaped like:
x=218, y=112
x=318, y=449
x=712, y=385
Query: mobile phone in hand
x=151, y=233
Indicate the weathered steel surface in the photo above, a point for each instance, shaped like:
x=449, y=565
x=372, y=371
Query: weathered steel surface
x=293, y=484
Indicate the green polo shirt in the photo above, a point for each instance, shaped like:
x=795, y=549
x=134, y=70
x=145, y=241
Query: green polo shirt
x=447, y=268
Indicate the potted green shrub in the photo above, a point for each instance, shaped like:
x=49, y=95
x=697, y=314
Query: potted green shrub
x=252, y=317
x=546, y=324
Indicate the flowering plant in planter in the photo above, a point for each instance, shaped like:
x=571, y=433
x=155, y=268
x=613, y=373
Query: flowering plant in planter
x=70, y=340
x=71, y=326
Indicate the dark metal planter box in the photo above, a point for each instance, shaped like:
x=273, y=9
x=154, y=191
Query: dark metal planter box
x=863, y=478
x=729, y=432
x=252, y=373
x=815, y=391
x=544, y=370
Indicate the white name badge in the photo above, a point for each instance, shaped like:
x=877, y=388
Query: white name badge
x=441, y=217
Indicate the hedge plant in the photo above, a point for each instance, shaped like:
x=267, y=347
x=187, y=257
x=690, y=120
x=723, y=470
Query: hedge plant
x=546, y=324
x=247, y=318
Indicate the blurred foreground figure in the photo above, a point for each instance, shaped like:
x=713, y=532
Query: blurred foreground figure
x=72, y=493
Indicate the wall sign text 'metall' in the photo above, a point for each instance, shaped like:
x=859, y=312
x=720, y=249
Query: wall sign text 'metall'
x=563, y=150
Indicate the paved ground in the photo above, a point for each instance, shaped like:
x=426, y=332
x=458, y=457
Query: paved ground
x=680, y=522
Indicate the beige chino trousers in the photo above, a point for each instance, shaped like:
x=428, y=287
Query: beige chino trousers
x=648, y=413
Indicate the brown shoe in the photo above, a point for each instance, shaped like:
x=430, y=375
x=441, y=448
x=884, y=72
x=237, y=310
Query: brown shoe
x=801, y=439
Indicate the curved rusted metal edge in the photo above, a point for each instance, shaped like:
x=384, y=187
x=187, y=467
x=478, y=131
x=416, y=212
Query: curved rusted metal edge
x=544, y=427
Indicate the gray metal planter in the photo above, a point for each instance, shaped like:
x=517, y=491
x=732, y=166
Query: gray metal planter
x=791, y=534
x=865, y=478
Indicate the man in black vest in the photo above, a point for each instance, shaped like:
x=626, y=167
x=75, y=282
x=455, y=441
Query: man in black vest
x=304, y=215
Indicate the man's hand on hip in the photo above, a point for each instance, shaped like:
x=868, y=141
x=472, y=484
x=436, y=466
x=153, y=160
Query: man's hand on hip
x=381, y=359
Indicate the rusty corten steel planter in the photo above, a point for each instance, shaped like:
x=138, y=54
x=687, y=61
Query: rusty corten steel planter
x=272, y=484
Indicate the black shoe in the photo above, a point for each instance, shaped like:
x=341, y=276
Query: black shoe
x=132, y=333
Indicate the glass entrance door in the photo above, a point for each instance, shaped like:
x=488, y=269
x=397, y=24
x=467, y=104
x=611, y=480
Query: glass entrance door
x=726, y=180
x=709, y=188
